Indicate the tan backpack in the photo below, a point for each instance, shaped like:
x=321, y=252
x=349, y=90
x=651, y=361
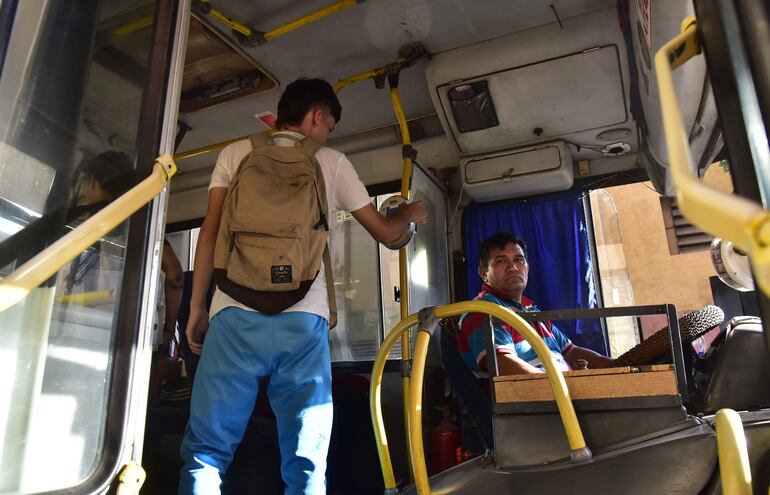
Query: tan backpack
x=274, y=227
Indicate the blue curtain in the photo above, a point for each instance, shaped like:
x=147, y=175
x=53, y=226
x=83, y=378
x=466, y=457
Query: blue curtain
x=560, y=270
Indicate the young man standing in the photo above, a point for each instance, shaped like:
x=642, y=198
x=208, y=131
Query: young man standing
x=290, y=347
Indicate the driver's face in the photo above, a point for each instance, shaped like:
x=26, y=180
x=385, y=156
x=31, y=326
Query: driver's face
x=507, y=270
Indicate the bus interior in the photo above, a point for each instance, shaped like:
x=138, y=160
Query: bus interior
x=551, y=120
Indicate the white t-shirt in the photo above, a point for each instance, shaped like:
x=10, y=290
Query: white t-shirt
x=344, y=191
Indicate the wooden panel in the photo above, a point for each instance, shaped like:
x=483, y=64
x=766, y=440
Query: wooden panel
x=589, y=386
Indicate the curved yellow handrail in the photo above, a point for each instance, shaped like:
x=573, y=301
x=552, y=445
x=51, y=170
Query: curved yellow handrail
x=733, y=455
x=375, y=402
x=579, y=450
x=34, y=272
x=743, y=222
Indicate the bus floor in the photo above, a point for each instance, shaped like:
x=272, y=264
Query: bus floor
x=353, y=465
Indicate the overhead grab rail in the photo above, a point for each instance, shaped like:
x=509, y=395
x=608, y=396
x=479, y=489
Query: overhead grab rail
x=428, y=318
x=256, y=37
x=40, y=268
x=733, y=454
x=745, y=223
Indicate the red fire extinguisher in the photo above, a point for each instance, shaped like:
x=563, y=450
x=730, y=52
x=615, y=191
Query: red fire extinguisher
x=444, y=442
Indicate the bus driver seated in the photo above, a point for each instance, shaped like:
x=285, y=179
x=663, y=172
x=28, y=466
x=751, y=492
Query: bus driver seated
x=504, y=269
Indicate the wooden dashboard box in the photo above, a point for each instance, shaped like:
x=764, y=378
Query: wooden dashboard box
x=608, y=383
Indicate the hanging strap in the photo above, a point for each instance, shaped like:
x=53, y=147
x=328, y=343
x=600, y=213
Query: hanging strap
x=330, y=288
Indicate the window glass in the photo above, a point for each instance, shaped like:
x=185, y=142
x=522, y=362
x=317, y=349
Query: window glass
x=637, y=264
x=357, y=288
x=70, y=96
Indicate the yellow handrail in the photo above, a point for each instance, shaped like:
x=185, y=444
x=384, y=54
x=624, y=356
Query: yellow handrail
x=228, y=21
x=133, y=26
x=260, y=37
x=733, y=455
x=419, y=469
x=208, y=148
x=403, y=253
x=131, y=479
x=34, y=272
x=312, y=17
x=739, y=220
x=91, y=298
x=347, y=81
x=375, y=401
x=579, y=450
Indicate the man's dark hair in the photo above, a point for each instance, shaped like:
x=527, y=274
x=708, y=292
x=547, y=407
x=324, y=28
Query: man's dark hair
x=112, y=170
x=303, y=95
x=498, y=240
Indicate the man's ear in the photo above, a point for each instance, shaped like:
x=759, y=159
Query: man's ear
x=318, y=116
x=483, y=273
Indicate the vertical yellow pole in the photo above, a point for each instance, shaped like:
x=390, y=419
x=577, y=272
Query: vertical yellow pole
x=403, y=260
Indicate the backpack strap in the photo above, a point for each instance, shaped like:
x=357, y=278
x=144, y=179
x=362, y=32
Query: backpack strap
x=261, y=139
x=330, y=288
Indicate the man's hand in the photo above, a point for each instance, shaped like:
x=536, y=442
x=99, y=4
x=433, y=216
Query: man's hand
x=197, y=326
x=414, y=212
x=601, y=362
x=595, y=360
x=389, y=228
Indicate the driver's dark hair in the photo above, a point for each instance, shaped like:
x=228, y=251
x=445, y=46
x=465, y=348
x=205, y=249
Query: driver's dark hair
x=302, y=96
x=498, y=240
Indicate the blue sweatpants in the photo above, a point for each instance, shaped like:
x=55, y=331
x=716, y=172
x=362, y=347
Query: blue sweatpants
x=242, y=346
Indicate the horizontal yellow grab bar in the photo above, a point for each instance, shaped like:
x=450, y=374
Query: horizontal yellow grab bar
x=40, y=268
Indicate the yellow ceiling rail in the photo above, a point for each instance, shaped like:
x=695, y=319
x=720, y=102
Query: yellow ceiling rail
x=364, y=76
x=34, y=272
x=312, y=17
x=733, y=454
x=232, y=23
x=579, y=450
x=206, y=149
x=261, y=37
x=745, y=223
